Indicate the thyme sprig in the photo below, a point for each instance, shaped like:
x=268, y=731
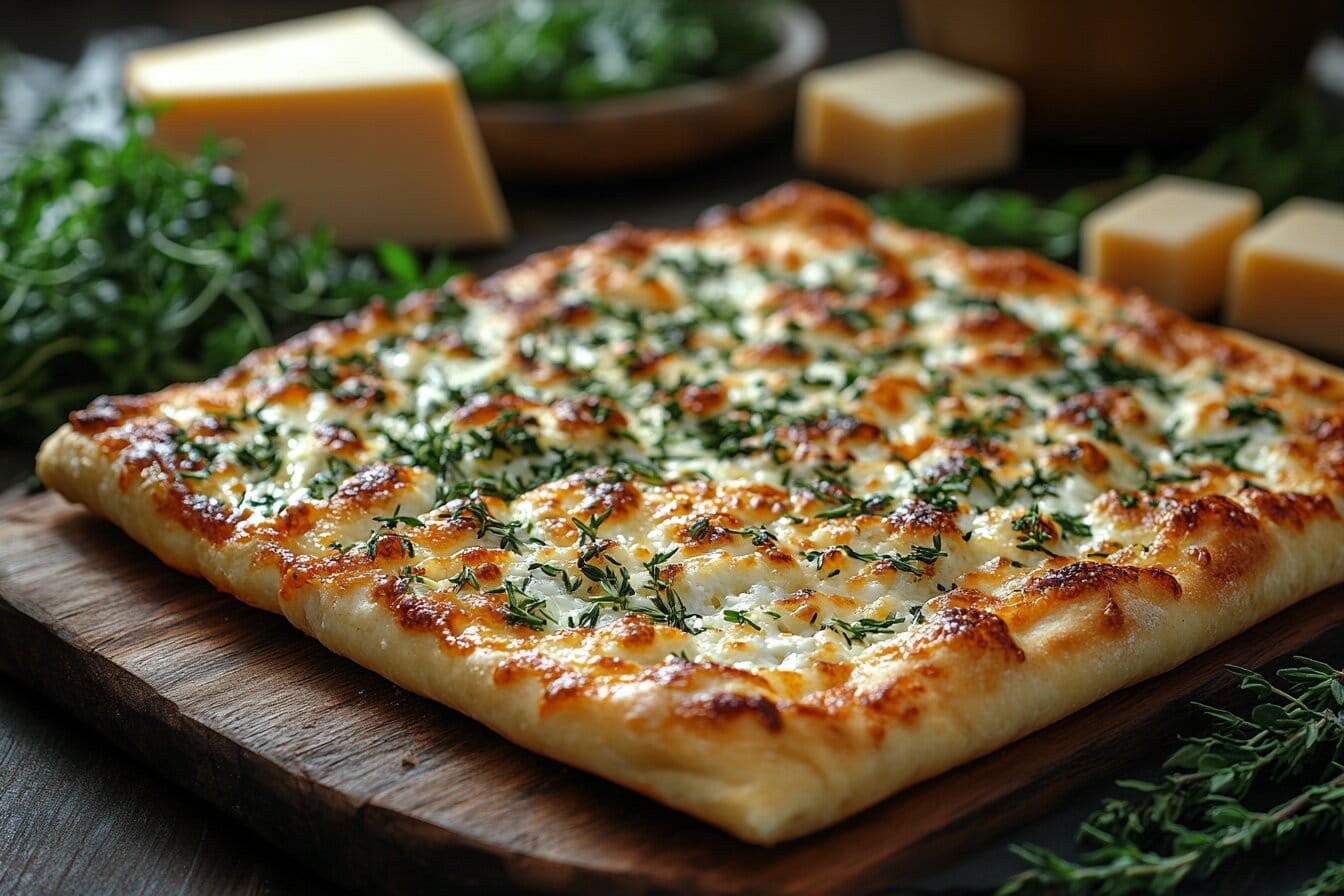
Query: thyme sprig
x=857, y=632
x=924, y=555
x=1259, y=782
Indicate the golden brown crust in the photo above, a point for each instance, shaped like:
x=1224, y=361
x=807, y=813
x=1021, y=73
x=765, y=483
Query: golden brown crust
x=1008, y=492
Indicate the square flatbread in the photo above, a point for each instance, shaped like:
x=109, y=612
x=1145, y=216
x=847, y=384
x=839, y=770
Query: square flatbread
x=767, y=518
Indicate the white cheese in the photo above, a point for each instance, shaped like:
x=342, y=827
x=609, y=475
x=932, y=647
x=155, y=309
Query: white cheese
x=1171, y=238
x=907, y=117
x=347, y=117
x=1288, y=277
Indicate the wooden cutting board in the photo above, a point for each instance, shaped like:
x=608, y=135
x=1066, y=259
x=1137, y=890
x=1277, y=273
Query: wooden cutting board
x=376, y=788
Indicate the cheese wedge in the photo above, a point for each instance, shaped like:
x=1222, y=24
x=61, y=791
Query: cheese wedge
x=348, y=118
x=1288, y=277
x=1171, y=238
x=907, y=117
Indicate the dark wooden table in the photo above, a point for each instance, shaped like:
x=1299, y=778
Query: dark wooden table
x=80, y=817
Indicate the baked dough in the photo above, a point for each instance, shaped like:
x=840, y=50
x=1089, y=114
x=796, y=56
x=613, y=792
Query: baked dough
x=767, y=518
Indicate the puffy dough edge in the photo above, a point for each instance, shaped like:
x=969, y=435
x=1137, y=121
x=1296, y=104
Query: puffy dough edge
x=764, y=786
x=767, y=786
x=761, y=784
x=74, y=466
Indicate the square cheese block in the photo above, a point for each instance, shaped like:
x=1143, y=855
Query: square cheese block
x=905, y=118
x=1171, y=238
x=348, y=118
x=1288, y=277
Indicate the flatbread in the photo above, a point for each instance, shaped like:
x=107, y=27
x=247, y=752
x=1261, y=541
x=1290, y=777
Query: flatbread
x=766, y=518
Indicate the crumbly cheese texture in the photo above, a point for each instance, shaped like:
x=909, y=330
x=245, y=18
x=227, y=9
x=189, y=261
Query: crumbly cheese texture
x=766, y=518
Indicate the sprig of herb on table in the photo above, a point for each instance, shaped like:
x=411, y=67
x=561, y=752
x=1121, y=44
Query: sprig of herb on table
x=123, y=269
x=1255, y=784
x=988, y=217
x=1294, y=146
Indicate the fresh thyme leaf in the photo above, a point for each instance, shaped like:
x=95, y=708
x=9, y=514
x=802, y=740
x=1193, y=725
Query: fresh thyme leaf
x=1213, y=806
x=860, y=629
x=1247, y=411
x=324, y=484
x=844, y=503
x=1224, y=451
x=741, y=618
x=1102, y=428
x=1034, y=531
x=522, y=609
x=759, y=535
x=487, y=524
x=1071, y=525
x=395, y=519
x=944, y=492
x=666, y=605
x=1327, y=883
x=924, y=555
x=588, y=530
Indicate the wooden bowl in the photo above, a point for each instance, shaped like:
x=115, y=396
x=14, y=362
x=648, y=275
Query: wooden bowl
x=1126, y=72
x=535, y=141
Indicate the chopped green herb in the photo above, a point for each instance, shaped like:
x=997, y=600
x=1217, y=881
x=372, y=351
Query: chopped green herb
x=858, y=631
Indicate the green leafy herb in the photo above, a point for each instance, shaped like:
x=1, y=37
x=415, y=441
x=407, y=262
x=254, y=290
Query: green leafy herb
x=666, y=605
x=1224, y=451
x=943, y=492
x=1255, y=784
x=992, y=217
x=844, y=503
x=582, y=50
x=395, y=519
x=923, y=555
x=741, y=618
x=860, y=629
x=1247, y=411
x=522, y=609
x=1034, y=531
x=508, y=533
x=1071, y=525
x=588, y=530
x=1329, y=882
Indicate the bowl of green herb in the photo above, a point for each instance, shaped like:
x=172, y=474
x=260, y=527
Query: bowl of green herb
x=587, y=88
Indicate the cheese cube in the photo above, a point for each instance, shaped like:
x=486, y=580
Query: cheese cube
x=347, y=117
x=1171, y=238
x=907, y=117
x=1288, y=277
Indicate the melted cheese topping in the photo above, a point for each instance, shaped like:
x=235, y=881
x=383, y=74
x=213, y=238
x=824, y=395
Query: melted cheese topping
x=775, y=437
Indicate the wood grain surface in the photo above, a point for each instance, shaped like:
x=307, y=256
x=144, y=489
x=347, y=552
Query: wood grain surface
x=140, y=833
x=391, y=793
